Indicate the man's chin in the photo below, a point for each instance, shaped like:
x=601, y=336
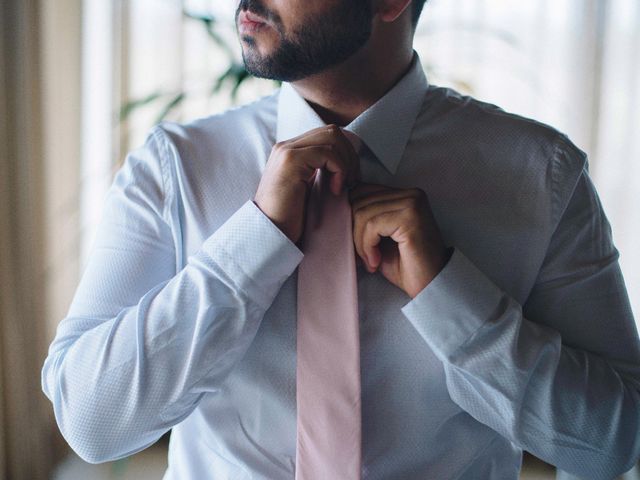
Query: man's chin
x=259, y=67
x=253, y=63
x=276, y=66
x=265, y=73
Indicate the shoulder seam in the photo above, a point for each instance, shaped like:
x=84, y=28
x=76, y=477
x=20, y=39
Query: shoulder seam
x=170, y=198
x=161, y=140
x=558, y=210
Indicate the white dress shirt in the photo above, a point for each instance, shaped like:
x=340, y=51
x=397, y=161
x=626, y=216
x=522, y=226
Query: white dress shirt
x=184, y=317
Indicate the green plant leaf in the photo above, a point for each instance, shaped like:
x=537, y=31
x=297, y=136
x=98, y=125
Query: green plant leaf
x=220, y=81
x=131, y=105
x=240, y=77
x=206, y=19
x=173, y=103
x=210, y=23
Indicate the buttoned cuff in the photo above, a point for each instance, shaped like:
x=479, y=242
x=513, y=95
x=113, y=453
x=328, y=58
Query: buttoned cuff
x=453, y=306
x=256, y=255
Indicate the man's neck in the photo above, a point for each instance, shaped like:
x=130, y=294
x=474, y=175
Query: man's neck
x=340, y=94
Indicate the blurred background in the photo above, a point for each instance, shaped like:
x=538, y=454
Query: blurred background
x=83, y=81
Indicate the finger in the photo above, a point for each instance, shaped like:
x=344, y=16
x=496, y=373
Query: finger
x=364, y=215
x=308, y=159
x=377, y=227
x=310, y=134
x=331, y=134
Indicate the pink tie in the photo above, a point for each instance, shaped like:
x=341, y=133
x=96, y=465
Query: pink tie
x=328, y=340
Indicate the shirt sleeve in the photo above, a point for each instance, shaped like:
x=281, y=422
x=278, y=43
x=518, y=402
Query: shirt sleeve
x=141, y=343
x=559, y=376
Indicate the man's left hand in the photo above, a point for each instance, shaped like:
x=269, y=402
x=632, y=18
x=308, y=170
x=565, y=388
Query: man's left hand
x=394, y=230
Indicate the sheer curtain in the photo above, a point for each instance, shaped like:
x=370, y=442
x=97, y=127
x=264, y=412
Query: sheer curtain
x=26, y=423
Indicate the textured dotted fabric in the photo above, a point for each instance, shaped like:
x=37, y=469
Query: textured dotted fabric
x=185, y=315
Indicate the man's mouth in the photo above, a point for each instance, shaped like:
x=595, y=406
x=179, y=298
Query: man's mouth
x=250, y=23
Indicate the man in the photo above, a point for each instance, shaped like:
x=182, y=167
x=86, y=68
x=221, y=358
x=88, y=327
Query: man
x=493, y=314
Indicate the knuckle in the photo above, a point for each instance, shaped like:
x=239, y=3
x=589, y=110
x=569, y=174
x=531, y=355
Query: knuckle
x=333, y=128
x=286, y=155
x=367, y=210
x=366, y=228
x=356, y=208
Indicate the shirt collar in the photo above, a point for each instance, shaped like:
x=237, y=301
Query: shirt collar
x=385, y=126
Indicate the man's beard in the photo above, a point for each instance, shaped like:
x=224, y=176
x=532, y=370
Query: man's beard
x=320, y=43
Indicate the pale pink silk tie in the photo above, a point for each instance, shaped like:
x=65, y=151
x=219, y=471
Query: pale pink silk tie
x=328, y=444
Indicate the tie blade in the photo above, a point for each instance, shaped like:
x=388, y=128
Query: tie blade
x=328, y=344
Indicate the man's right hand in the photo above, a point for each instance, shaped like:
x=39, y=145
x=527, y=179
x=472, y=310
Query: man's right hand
x=291, y=169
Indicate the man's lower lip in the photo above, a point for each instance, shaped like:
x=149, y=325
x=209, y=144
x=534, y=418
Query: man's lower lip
x=250, y=27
